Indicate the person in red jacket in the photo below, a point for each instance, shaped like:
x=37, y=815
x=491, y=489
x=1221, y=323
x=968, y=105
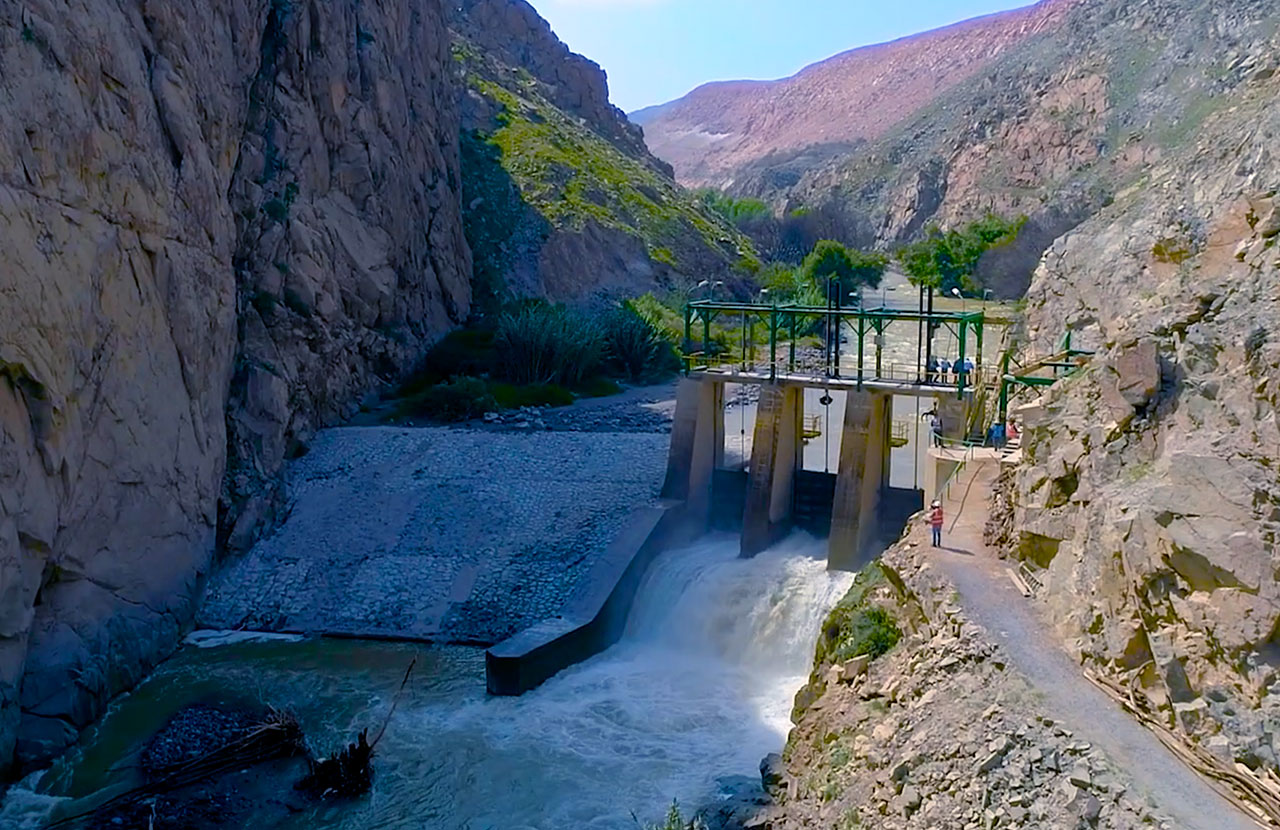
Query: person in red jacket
x=935, y=523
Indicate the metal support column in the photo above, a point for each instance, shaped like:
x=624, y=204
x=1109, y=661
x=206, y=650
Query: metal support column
x=688, y=336
x=791, y=363
x=773, y=343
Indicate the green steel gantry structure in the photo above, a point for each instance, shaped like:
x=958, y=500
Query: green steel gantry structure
x=793, y=321
x=790, y=321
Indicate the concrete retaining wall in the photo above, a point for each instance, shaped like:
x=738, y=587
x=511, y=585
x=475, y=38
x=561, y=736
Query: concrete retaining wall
x=595, y=616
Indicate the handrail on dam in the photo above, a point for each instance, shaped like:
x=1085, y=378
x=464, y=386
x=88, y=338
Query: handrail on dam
x=790, y=321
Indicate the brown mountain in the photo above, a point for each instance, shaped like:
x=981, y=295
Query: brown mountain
x=856, y=96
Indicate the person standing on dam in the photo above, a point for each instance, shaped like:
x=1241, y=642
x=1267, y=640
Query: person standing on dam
x=935, y=522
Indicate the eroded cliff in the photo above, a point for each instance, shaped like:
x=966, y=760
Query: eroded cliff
x=221, y=225
x=1151, y=488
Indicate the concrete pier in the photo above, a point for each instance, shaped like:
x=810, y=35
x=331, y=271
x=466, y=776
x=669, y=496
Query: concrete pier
x=862, y=505
x=775, y=457
x=862, y=475
x=697, y=444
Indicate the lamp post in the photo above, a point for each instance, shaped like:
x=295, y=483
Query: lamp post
x=963, y=307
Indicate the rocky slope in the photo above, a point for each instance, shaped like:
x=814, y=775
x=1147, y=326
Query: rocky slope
x=222, y=223
x=562, y=199
x=1151, y=489
x=714, y=132
x=939, y=732
x=1052, y=124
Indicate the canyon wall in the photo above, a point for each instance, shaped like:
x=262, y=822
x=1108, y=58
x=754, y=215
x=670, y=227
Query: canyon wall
x=562, y=199
x=1048, y=112
x=221, y=224
x=1150, y=492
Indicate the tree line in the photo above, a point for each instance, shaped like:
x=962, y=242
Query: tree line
x=942, y=260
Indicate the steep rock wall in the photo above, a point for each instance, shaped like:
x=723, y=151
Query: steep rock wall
x=511, y=32
x=1053, y=129
x=1151, y=489
x=562, y=199
x=231, y=214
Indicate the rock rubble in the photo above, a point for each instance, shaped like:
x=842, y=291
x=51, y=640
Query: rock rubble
x=939, y=732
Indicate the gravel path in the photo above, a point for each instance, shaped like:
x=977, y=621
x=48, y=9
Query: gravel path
x=445, y=534
x=990, y=598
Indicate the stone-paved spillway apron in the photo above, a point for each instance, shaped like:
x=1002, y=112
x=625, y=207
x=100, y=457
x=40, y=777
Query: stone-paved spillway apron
x=448, y=534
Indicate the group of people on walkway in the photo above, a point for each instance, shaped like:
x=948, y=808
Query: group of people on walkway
x=944, y=371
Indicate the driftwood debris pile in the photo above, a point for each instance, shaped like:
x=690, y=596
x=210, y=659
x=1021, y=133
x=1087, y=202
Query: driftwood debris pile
x=350, y=772
x=343, y=774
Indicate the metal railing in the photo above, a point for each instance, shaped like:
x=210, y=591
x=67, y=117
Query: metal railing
x=786, y=323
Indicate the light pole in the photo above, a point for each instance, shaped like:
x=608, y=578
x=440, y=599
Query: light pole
x=963, y=307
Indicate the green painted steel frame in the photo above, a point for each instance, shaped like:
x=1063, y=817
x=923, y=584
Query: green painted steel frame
x=864, y=320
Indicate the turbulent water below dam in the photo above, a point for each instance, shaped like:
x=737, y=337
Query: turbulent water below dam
x=684, y=707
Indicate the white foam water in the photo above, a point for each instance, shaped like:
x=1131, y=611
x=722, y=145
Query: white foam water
x=698, y=690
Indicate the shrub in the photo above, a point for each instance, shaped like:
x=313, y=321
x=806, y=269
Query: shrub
x=276, y=209
x=668, y=321
x=599, y=388
x=855, y=626
x=459, y=399
x=635, y=347
x=868, y=631
x=675, y=821
x=540, y=343
x=510, y=396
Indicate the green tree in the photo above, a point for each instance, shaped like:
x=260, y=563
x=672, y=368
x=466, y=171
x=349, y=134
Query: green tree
x=832, y=262
x=948, y=259
x=740, y=212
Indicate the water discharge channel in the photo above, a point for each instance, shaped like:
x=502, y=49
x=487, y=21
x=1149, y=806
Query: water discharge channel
x=684, y=707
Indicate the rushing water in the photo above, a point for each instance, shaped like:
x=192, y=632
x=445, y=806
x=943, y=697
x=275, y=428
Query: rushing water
x=697, y=691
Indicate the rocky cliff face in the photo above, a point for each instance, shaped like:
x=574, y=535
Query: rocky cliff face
x=1151, y=488
x=562, y=198
x=941, y=732
x=221, y=224
x=1050, y=118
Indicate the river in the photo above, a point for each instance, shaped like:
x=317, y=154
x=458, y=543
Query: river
x=683, y=707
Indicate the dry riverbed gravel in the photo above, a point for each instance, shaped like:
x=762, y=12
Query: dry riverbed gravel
x=460, y=535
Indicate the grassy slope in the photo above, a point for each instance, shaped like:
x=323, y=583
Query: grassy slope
x=568, y=176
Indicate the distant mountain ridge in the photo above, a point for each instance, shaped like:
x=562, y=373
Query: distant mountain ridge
x=858, y=95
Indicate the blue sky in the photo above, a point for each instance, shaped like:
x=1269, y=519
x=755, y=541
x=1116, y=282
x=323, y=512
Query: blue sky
x=657, y=50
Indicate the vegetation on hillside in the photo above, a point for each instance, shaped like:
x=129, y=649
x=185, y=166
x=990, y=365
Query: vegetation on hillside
x=741, y=212
x=534, y=353
x=947, y=260
x=785, y=238
x=857, y=625
x=535, y=169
